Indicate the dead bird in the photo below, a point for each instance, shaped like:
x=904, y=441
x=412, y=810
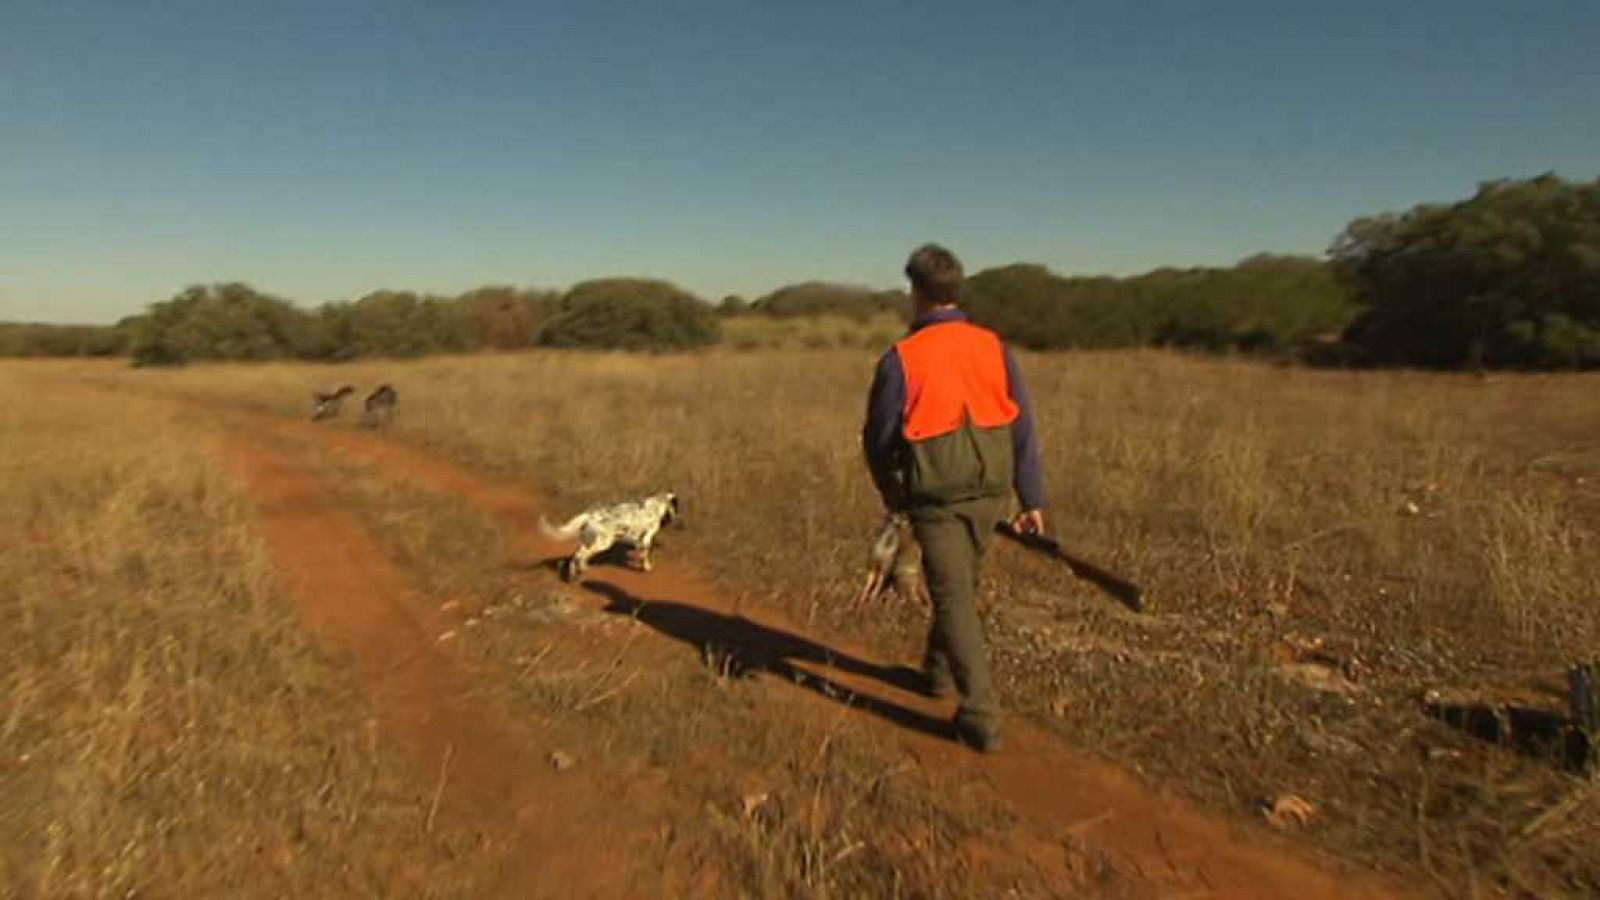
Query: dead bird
x=892, y=562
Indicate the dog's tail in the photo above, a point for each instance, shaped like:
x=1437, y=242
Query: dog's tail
x=573, y=526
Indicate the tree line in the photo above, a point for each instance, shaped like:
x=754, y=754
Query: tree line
x=1263, y=304
x=237, y=322
x=1507, y=277
x=38, y=339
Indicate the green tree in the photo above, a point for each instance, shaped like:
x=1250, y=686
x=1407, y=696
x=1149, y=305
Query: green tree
x=815, y=298
x=223, y=321
x=1507, y=277
x=402, y=324
x=631, y=314
x=1264, y=303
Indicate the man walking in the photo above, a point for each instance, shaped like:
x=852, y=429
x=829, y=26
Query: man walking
x=949, y=436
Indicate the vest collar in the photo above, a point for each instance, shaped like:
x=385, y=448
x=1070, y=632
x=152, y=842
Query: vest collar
x=938, y=317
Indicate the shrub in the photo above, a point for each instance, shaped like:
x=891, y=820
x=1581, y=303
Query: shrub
x=224, y=322
x=631, y=314
x=401, y=324
x=506, y=318
x=816, y=298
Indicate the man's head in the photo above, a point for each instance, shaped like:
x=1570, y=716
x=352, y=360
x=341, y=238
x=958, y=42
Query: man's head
x=935, y=275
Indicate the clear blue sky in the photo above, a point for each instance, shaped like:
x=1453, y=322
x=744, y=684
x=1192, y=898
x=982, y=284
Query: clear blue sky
x=322, y=149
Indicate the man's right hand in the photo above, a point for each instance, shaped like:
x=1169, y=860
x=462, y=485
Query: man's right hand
x=1028, y=522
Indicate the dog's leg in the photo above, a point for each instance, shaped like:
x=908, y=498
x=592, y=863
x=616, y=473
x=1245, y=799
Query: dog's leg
x=590, y=544
x=644, y=548
x=572, y=567
x=578, y=562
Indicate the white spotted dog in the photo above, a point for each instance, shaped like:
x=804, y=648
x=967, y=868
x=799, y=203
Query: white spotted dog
x=634, y=524
x=327, y=404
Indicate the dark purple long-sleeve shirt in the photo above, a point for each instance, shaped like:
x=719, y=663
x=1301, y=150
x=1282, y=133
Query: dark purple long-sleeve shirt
x=883, y=439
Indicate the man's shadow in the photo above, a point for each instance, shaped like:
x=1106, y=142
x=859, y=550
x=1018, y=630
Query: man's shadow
x=746, y=648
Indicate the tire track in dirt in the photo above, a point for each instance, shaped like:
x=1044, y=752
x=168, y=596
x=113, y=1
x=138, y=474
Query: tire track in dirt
x=1158, y=844
x=553, y=829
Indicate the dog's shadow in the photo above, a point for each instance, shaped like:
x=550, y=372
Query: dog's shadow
x=742, y=648
x=615, y=556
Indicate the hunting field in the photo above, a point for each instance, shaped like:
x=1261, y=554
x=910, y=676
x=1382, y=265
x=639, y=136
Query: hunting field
x=1322, y=550
x=166, y=729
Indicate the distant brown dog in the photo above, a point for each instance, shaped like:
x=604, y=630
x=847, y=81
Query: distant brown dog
x=328, y=404
x=380, y=405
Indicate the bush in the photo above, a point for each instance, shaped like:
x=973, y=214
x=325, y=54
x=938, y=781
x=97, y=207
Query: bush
x=631, y=314
x=401, y=324
x=223, y=322
x=506, y=318
x=817, y=298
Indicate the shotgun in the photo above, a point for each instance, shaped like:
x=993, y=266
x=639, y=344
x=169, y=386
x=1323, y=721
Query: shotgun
x=1125, y=591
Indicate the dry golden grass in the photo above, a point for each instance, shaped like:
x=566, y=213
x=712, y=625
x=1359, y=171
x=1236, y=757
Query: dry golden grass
x=1155, y=462
x=165, y=728
x=757, y=332
x=816, y=808
x=1418, y=530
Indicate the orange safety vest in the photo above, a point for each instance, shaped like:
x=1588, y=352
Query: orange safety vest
x=955, y=372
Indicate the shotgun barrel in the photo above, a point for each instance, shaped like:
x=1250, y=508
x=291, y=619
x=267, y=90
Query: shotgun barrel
x=1125, y=591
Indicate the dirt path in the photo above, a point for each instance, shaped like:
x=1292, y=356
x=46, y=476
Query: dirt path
x=1159, y=845
x=494, y=774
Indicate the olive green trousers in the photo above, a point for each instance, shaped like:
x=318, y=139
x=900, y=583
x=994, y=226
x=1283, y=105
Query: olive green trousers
x=954, y=538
